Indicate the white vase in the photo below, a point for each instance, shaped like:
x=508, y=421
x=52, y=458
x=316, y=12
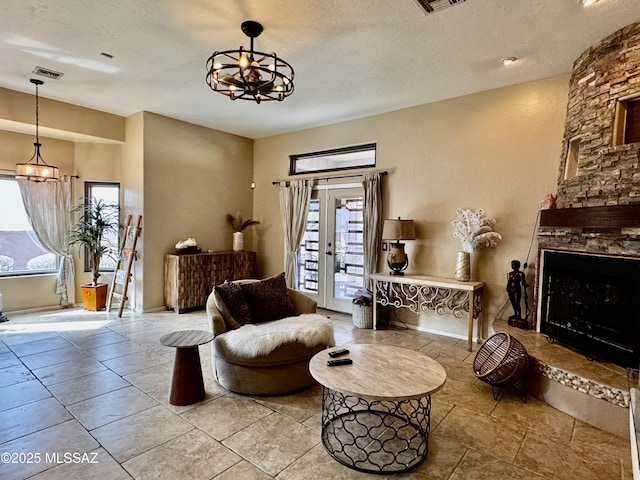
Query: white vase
x=463, y=266
x=238, y=241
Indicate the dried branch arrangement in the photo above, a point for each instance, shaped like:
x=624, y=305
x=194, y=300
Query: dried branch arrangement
x=473, y=231
x=237, y=224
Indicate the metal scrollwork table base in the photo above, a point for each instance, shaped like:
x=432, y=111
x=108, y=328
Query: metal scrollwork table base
x=376, y=411
x=422, y=294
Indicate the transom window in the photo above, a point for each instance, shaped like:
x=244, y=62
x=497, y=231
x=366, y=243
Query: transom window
x=345, y=158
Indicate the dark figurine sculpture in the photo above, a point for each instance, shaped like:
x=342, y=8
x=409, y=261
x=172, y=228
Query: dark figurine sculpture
x=516, y=285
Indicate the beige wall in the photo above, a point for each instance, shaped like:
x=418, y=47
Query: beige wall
x=93, y=162
x=496, y=150
x=34, y=291
x=181, y=177
x=132, y=186
x=193, y=176
x=64, y=131
x=58, y=119
x=18, y=148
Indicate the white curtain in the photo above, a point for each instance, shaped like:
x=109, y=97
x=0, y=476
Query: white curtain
x=294, y=208
x=372, y=217
x=48, y=206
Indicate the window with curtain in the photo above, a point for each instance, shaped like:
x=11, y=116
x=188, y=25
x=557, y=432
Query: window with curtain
x=109, y=193
x=20, y=251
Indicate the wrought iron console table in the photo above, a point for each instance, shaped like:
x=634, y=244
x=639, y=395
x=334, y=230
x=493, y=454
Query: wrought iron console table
x=422, y=294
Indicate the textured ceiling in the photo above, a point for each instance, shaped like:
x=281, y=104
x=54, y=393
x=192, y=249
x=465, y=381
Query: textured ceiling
x=352, y=58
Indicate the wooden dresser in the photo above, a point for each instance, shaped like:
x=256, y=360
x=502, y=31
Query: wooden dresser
x=188, y=279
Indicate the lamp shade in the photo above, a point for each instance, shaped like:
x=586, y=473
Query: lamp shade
x=397, y=229
x=36, y=169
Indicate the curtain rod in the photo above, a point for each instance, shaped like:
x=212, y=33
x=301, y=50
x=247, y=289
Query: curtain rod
x=12, y=173
x=278, y=182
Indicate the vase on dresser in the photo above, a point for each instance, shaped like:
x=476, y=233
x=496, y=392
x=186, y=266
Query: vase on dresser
x=238, y=241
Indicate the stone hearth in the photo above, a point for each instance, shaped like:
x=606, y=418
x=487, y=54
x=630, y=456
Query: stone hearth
x=593, y=391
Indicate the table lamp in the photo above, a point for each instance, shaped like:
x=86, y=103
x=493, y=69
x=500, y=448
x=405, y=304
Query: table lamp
x=398, y=230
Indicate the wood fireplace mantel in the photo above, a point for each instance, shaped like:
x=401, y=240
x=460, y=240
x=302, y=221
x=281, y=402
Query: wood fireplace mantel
x=598, y=218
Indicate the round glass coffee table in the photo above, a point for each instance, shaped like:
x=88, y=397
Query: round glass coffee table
x=187, y=385
x=376, y=411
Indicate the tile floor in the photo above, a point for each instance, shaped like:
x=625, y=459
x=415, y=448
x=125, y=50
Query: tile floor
x=84, y=395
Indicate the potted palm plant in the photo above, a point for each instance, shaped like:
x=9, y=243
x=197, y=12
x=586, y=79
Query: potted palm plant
x=97, y=220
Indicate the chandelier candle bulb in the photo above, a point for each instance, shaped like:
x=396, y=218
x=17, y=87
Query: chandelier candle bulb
x=251, y=75
x=36, y=169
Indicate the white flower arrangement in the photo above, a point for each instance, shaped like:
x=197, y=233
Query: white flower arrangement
x=473, y=231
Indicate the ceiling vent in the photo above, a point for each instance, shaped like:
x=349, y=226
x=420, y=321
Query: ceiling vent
x=430, y=6
x=45, y=72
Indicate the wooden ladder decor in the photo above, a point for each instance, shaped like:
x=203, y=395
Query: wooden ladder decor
x=126, y=256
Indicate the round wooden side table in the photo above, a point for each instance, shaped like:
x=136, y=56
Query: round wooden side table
x=187, y=385
x=376, y=411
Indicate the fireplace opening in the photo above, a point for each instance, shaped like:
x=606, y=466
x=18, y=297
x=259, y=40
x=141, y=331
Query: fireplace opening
x=592, y=303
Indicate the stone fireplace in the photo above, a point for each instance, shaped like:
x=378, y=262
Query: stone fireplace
x=595, y=226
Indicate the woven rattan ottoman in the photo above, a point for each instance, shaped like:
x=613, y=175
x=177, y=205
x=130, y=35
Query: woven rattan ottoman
x=502, y=361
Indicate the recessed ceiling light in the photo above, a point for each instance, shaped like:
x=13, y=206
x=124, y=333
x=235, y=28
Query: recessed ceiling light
x=506, y=61
x=586, y=3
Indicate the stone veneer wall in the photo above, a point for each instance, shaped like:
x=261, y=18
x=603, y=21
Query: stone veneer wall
x=606, y=175
x=598, y=243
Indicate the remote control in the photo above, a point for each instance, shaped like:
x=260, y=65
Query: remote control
x=339, y=361
x=337, y=353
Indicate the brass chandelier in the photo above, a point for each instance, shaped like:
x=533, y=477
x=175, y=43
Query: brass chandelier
x=250, y=74
x=36, y=169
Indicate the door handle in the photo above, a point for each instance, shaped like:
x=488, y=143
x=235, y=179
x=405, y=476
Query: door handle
x=329, y=253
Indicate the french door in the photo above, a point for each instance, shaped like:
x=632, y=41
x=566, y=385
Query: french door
x=330, y=258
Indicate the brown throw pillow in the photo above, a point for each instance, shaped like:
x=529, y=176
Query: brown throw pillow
x=230, y=323
x=269, y=299
x=235, y=303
